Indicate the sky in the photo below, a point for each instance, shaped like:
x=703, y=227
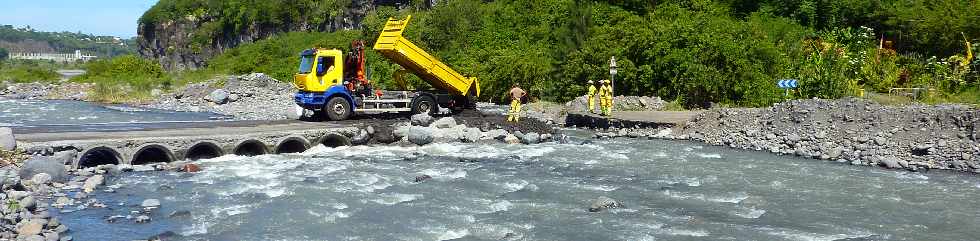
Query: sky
x=98, y=17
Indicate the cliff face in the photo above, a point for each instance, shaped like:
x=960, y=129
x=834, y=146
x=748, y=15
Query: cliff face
x=178, y=44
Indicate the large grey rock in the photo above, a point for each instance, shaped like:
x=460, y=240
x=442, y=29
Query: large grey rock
x=421, y=119
x=531, y=138
x=603, y=203
x=8, y=176
x=511, y=139
x=361, y=138
x=41, y=178
x=30, y=228
x=93, y=182
x=498, y=134
x=420, y=135
x=893, y=163
x=218, y=96
x=443, y=123
x=7, y=141
x=42, y=164
x=29, y=203
x=67, y=156
x=471, y=135
x=150, y=203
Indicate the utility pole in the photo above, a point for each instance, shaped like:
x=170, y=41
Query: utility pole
x=612, y=73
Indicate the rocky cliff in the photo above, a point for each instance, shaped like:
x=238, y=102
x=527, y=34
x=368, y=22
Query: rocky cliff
x=187, y=42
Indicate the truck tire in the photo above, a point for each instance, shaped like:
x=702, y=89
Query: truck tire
x=424, y=104
x=337, y=108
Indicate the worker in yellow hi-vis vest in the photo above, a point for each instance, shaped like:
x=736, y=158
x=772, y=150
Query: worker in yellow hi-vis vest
x=605, y=98
x=591, y=96
x=516, y=94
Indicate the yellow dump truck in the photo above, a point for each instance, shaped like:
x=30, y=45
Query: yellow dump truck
x=332, y=84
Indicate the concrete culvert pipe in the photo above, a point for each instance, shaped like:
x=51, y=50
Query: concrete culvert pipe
x=334, y=140
x=203, y=150
x=152, y=154
x=99, y=156
x=291, y=145
x=250, y=148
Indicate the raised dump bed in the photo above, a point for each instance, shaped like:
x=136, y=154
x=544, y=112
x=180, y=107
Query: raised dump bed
x=395, y=47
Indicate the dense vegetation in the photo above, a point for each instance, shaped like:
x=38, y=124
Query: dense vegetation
x=68, y=42
x=124, y=78
x=20, y=71
x=694, y=51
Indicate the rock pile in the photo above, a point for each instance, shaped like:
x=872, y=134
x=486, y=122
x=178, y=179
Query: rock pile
x=424, y=130
x=622, y=103
x=247, y=97
x=37, y=90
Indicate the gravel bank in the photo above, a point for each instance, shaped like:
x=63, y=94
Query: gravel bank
x=854, y=131
x=247, y=97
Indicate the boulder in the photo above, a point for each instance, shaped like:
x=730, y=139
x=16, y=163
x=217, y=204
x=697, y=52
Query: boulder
x=28, y=202
x=422, y=178
x=142, y=219
x=443, y=123
x=234, y=97
x=41, y=178
x=218, y=96
x=545, y=137
x=603, y=203
x=67, y=156
x=93, y=182
x=31, y=228
x=511, y=139
x=531, y=138
x=471, y=135
x=497, y=134
x=7, y=141
x=361, y=138
x=892, y=162
x=420, y=135
x=421, y=119
x=42, y=164
x=8, y=176
x=150, y=204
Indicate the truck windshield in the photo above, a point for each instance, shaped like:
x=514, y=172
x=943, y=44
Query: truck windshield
x=305, y=64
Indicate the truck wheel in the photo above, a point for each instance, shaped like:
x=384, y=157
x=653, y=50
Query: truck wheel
x=424, y=104
x=337, y=108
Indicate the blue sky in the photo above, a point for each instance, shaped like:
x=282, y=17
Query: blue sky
x=99, y=17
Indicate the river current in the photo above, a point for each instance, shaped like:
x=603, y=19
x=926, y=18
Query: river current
x=672, y=191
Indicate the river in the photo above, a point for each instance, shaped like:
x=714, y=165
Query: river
x=672, y=191
x=66, y=115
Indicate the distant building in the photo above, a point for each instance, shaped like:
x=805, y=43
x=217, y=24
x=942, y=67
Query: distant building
x=64, y=58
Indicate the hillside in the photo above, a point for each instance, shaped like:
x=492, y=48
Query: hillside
x=25, y=39
x=696, y=52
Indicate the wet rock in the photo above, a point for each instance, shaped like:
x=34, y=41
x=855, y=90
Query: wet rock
x=66, y=238
x=67, y=156
x=179, y=214
x=531, y=138
x=421, y=119
x=114, y=218
x=41, y=164
x=511, y=139
x=497, y=134
x=93, y=182
x=370, y=130
x=420, y=135
x=150, y=204
x=28, y=202
x=422, y=178
x=163, y=236
x=41, y=178
x=7, y=141
x=471, y=135
x=191, y=168
x=603, y=203
x=30, y=228
x=61, y=229
x=892, y=162
x=35, y=237
x=545, y=137
x=361, y=138
x=444, y=123
x=62, y=201
x=218, y=96
x=142, y=219
x=51, y=236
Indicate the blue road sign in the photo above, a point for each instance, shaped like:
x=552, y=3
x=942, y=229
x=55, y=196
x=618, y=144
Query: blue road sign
x=787, y=83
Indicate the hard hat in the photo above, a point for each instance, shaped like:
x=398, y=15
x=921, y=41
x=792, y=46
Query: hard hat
x=590, y=82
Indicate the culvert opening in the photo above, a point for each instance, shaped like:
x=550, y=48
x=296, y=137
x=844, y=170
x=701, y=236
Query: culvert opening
x=99, y=156
x=250, y=148
x=204, y=150
x=291, y=146
x=334, y=140
x=152, y=154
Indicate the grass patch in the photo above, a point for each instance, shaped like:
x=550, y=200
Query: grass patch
x=124, y=79
x=25, y=71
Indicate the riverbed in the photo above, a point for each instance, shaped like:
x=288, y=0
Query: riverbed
x=671, y=191
x=67, y=115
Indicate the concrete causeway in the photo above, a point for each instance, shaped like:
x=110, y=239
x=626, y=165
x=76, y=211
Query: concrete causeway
x=630, y=119
x=196, y=141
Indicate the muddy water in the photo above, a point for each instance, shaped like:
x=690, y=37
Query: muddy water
x=672, y=191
